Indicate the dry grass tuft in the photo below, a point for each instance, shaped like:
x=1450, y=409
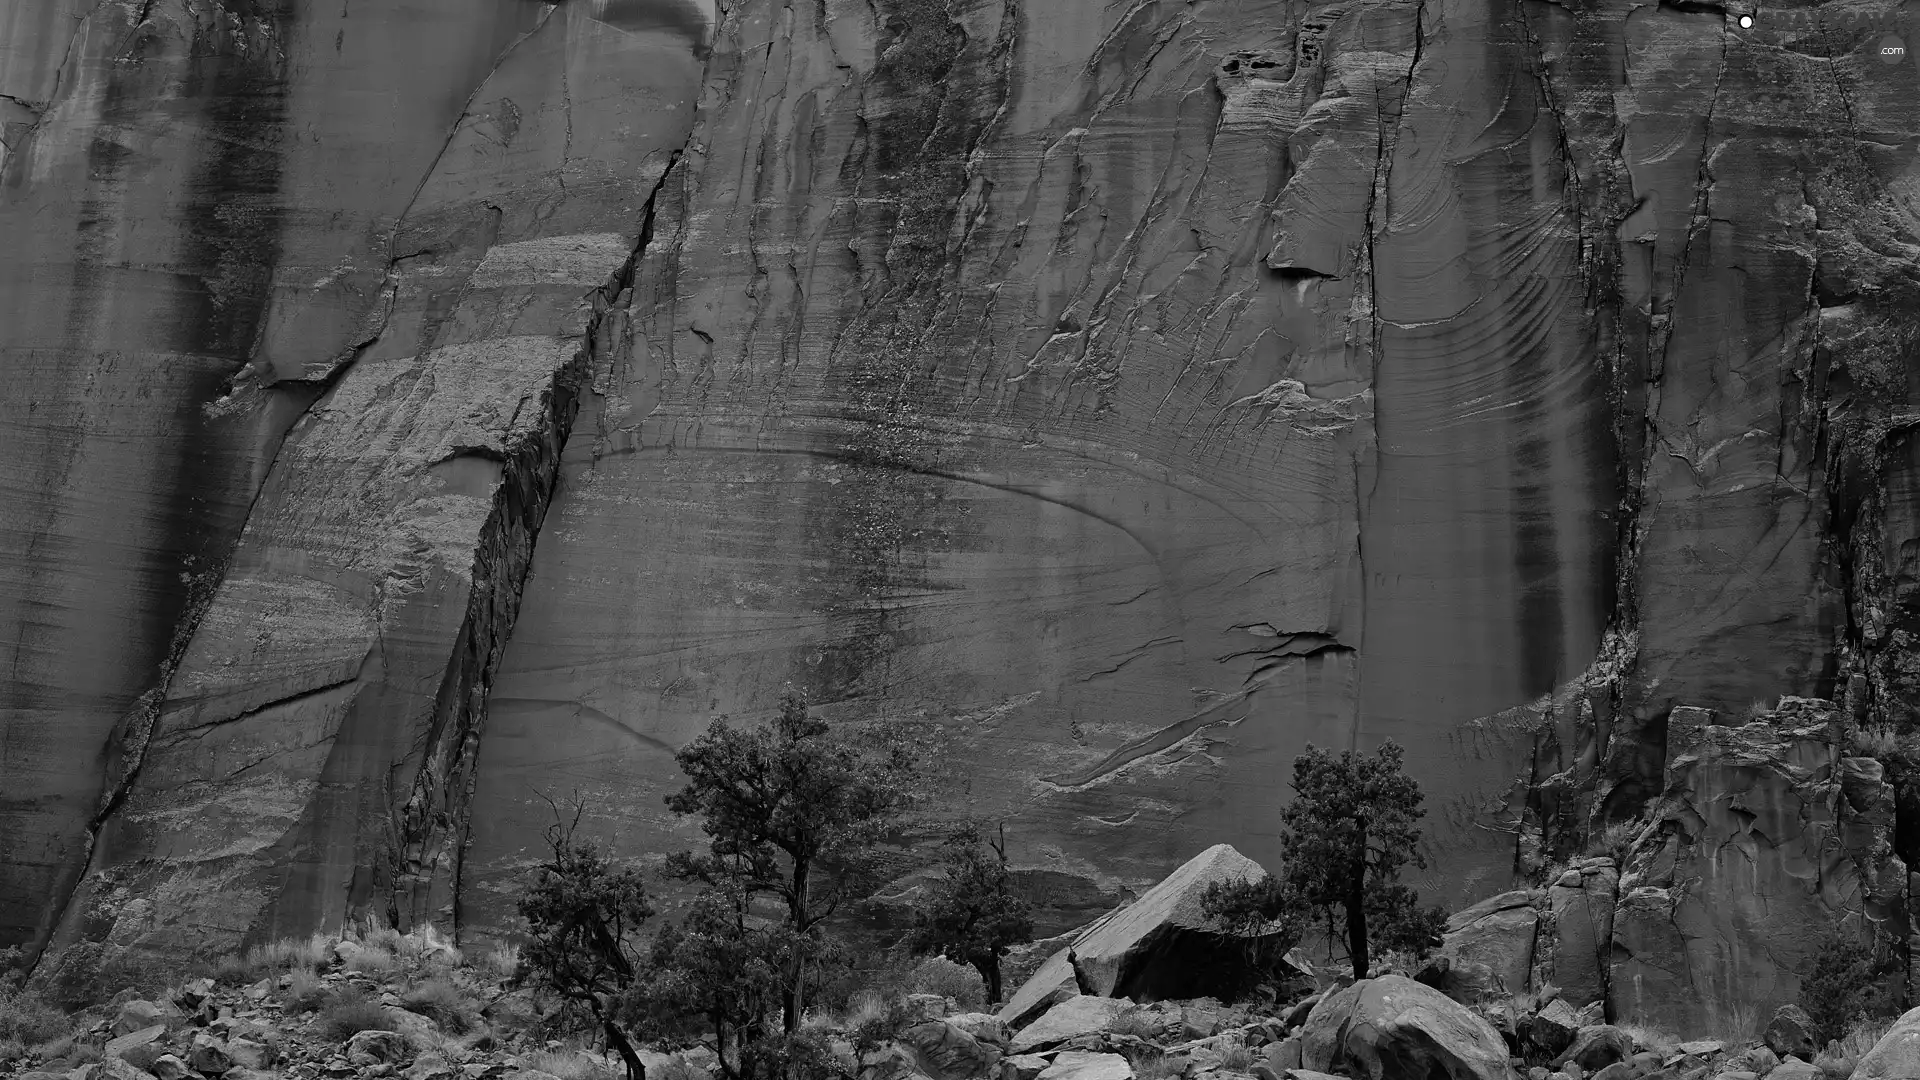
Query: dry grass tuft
x=567, y=1064
x=28, y=1018
x=441, y=1001
x=348, y=1011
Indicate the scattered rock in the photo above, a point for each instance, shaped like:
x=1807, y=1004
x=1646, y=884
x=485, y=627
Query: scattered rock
x=1162, y=945
x=1758, y=1060
x=944, y=1051
x=1552, y=1029
x=376, y=1048
x=1075, y=1016
x=208, y=1055
x=1285, y=1055
x=136, y=1015
x=986, y=1027
x=248, y=1054
x=168, y=1067
x=1791, y=1032
x=1619, y=1070
x=1393, y=1027
x=119, y=1046
x=1074, y=1065
x=1596, y=1047
x=1794, y=1069
x=1023, y=1067
x=1702, y=1047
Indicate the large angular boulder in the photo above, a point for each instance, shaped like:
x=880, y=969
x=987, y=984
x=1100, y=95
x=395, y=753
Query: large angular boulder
x=1052, y=984
x=1791, y=1032
x=945, y=1051
x=1897, y=1055
x=1070, y=1019
x=1392, y=1027
x=1499, y=932
x=1076, y=1065
x=1597, y=1047
x=1162, y=945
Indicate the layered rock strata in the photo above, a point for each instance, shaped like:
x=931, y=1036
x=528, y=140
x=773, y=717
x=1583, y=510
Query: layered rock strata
x=1130, y=394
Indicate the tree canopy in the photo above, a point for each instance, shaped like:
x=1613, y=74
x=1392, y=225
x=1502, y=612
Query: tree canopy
x=1350, y=830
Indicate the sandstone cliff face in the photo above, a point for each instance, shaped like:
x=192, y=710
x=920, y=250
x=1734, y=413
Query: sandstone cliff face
x=424, y=415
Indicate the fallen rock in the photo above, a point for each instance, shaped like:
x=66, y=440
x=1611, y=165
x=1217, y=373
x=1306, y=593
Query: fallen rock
x=248, y=1054
x=1023, y=1066
x=1162, y=945
x=376, y=1048
x=1075, y=1065
x=1392, y=1027
x=168, y=1067
x=1702, y=1047
x=1082, y=1015
x=1465, y=981
x=1050, y=985
x=986, y=1027
x=208, y=1055
x=944, y=1051
x=119, y=1046
x=136, y=1015
x=1285, y=1054
x=1758, y=1060
x=1795, y=1069
x=1596, y=1047
x=1791, y=1032
x=1619, y=1070
x=1552, y=1029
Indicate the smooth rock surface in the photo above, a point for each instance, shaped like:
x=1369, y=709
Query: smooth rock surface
x=1074, y=1017
x=1393, y=1027
x=1163, y=945
x=1138, y=392
x=1077, y=1065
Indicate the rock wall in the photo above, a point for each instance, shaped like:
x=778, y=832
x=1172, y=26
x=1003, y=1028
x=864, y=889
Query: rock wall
x=430, y=413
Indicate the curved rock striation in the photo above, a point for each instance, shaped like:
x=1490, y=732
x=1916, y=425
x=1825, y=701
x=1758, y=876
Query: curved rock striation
x=422, y=415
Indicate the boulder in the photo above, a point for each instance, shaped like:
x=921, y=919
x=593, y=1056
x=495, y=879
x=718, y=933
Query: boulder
x=945, y=1051
x=248, y=1054
x=136, y=1015
x=168, y=1067
x=1702, y=1047
x=1758, y=1060
x=1051, y=984
x=1465, y=981
x=1619, y=1070
x=1076, y=1065
x=1499, y=932
x=1285, y=1054
x=1791, y=1032
x=208, y=1055
x=1076, y=1016
x=1795, y=1069
x=1597, y=1047
x=121, y=1045
x=986, y=1027
x=1023, y=1066
x=1162, y=945
x=376, y=1048
x=1393, y=1027
x=1897, y=1052
x=1552, y=1029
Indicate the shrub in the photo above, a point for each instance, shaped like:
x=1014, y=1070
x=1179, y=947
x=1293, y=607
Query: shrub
x=305, y=992
x=1139, y=1023
x=348, y=1011
x=29, y=1018
x=11, y=1050
x=440, y=1000
x=1162, y=1067
x=1237, y=1058
x=567, y=1064
x=939, y=975
x=1844, y=988
x=370, y=960
x=972, y=913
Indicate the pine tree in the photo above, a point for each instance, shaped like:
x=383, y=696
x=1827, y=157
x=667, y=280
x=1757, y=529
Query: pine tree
x=793, y=814
x=1350, y=830
x=583, y=917
x=972, y=912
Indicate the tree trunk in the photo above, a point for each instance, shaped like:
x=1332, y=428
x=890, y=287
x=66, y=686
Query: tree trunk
x=1356, y=906
x=989, y=968
x=636, y=1070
